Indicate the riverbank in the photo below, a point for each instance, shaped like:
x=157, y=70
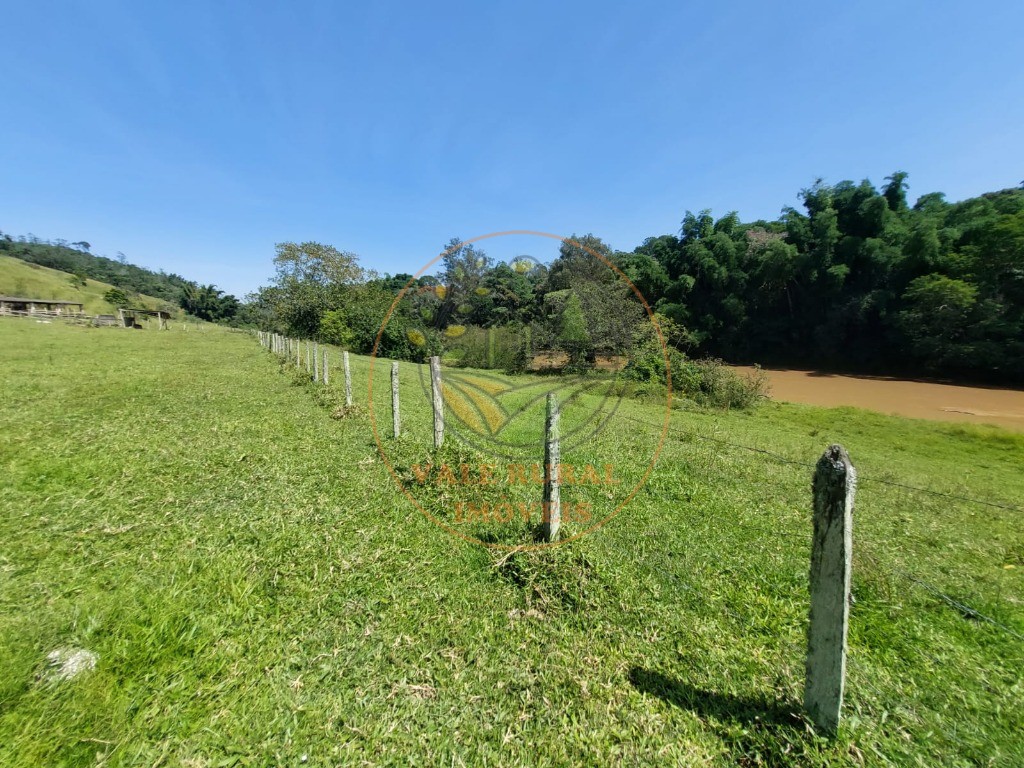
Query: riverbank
x=915, y=399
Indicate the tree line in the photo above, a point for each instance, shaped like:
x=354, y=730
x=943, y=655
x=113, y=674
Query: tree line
x=858, y=279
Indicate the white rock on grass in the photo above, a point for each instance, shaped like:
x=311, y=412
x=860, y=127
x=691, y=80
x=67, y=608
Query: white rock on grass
x=69, y=663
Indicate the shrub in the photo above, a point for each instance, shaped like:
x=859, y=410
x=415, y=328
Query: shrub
x=706, y=382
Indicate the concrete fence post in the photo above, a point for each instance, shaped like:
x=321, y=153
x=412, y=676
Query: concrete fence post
x=396, y=421
x=552, y=506
x=327, y=378
x=834, y=487
x=348, y=379
x=437, y=397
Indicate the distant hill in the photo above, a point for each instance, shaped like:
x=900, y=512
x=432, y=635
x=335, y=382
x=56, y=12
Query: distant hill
x=21, y=278
x=74, y=258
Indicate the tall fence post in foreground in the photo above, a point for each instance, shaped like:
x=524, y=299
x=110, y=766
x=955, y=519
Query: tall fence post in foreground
x=327, y=379
x=316, y=362
x=298, y=354
x=348, y=379
x=438, y=399
x=552, y=506
x=835, y=483
x=396, y=420
x=309, y=366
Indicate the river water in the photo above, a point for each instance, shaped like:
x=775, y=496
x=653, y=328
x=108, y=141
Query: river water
x=916, y=399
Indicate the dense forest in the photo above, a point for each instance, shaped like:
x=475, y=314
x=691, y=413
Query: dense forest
x=859, y=279
x=203, y=301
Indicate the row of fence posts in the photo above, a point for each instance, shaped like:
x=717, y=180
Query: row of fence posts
x=317, y=362
x=833, y=487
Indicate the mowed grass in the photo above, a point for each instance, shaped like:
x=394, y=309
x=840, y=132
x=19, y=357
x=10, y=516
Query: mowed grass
x=260, y=591
x=24, y=279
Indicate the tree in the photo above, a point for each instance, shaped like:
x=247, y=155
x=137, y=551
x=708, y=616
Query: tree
x=936, y=320
x=462, y=275
x=573, y=336
x=895, y=191
x=116, y=297
x=207, y=302
x=581, y=258
x=311, y=279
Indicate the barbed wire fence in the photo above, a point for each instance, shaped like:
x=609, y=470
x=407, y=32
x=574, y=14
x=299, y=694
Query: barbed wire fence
x=289, y=351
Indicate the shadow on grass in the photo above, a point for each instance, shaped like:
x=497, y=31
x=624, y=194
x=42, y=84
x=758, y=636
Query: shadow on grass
x=723, y=707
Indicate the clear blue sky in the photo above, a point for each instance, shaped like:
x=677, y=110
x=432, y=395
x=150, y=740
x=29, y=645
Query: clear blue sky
x=194, y=136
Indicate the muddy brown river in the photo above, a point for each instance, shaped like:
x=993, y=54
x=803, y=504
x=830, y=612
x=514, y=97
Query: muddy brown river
x=916, y=399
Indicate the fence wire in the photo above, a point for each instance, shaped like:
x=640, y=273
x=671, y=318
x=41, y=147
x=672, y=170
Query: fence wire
x=957, y=604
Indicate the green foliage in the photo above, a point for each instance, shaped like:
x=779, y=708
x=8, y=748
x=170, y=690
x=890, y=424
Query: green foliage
x=573, y=336
x=858, y=281
x=117, y=297
x=711, y=382
x=207, y=302
x=707, y=382
x=489, y=348
x=334, y=329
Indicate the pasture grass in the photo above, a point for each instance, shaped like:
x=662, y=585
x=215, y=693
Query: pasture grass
x=229, y=540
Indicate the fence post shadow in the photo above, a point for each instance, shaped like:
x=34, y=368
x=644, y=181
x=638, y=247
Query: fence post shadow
x=724, y=707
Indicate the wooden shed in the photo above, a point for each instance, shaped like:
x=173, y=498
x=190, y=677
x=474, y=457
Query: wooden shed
x=16, y=305
x=130, y=316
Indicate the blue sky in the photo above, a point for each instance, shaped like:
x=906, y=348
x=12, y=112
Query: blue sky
x=194, y=136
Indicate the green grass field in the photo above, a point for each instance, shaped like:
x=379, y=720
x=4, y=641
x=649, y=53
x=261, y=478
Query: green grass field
x=26, y=280
x=259, y=591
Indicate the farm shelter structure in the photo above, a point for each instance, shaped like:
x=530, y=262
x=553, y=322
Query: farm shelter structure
x=15, y=305
x=130, y=317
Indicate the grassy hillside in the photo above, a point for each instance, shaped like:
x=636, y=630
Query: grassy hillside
x=20, y=278
x=259, y=591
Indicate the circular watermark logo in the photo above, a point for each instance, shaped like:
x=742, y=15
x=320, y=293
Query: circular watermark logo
x=498, y=372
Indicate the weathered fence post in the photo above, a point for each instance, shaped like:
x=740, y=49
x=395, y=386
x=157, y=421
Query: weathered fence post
x=327, y=379
x=396, y=421
x=309, y=366
x=298, y=354
x=438, y=399
x=316, y=362
x=835, y=483
x=348, y=379
x=552, y=506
